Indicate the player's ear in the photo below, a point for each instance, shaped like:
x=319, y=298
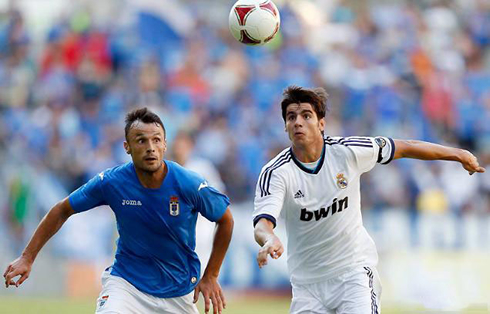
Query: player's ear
x=321, y=124
x=127, y=148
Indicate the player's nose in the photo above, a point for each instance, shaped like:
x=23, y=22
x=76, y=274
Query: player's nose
x=298, y=122
x=150, y=148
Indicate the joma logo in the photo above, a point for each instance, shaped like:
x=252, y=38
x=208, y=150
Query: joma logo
x=335, y=207
x=131, y=202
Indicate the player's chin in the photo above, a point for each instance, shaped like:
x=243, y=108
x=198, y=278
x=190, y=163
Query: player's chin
x=299, y=140
x=152, y=166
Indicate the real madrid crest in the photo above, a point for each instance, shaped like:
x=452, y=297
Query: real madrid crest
x=174, y=206
x=341, y=181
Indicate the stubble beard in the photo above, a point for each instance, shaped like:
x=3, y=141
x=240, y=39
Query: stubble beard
x=151, y=169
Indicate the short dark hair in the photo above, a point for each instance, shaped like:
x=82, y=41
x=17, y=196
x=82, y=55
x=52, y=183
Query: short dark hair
x=144, y=115
x=316, y=97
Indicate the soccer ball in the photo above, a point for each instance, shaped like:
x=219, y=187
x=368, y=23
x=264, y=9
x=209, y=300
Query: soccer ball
x=254, y=22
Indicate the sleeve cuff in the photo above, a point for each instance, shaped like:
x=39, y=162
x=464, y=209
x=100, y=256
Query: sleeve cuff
x=392, y=153
x=266, y=216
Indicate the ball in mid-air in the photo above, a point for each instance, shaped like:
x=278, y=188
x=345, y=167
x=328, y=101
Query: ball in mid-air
x=254, y=22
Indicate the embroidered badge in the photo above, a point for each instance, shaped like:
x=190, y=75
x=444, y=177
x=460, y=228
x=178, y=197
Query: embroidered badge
x=380, y=141
x=174, y=206
x=341, y=181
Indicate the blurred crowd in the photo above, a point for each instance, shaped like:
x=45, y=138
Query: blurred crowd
x=403, y=69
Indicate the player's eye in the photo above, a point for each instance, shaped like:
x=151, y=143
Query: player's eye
x=141, y=141
x=291, y=117
x=157, y=140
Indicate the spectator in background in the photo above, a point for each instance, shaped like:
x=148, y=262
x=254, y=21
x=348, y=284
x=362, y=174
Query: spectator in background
x=183, y=153
x=19, y=203
x=411, y=69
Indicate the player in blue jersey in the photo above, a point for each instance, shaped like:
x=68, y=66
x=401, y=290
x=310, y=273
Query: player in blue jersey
x=156, y=203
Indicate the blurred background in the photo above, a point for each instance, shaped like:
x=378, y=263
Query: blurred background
x=70, y=71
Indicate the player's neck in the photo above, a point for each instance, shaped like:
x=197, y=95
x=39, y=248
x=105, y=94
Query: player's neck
x=152, y=180
x=308, y=153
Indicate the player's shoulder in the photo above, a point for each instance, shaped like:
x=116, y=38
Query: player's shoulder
x=115, y=173
x=280, y=161
x=184, y=176
x=348, y=140
x=347, y=144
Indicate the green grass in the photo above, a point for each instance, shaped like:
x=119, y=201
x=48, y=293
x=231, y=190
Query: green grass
x=236, y=305
x=20, y=305
x=255, y=305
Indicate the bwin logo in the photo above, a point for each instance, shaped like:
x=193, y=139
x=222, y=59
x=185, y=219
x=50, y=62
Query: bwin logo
x=336, y=207
x=131, y=202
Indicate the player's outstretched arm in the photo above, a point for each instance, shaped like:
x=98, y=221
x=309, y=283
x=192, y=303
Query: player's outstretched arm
x=208, y=285
x=48, y=226
x=429, y=151
x=270, y=243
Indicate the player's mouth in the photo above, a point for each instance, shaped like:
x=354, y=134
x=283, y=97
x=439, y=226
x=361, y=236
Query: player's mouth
x=151, y=159
x=299, y=134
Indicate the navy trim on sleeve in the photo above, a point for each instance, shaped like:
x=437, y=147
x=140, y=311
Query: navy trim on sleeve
x=266, y=216
x=392, y=151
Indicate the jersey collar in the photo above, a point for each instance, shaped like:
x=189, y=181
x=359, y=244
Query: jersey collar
x=312, y=171
x=165, y=179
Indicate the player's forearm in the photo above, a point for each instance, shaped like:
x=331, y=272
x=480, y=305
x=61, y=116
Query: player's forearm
x=221, y=242
x=264, y=230
x=426, y=151
x=48, y=226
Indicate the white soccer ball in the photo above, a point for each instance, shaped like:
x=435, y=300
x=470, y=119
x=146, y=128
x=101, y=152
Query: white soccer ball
x=254, y=22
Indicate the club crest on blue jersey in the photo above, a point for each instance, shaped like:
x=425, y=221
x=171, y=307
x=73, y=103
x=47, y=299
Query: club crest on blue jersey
x=341, y=181
x=174, y=206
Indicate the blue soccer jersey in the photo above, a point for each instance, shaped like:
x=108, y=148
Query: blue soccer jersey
x=155, y=249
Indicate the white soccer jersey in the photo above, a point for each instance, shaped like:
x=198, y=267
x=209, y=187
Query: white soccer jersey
x=322, y=207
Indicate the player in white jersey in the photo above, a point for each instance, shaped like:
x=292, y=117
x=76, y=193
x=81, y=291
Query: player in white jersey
x=315, y=185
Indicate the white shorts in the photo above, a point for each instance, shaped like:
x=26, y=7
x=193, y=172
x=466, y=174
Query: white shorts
x=354, y=292
x=120, y=297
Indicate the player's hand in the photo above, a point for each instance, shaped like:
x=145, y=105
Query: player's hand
x=20, y=267
x=211, y=291
x=272, y=247
x=470, y=163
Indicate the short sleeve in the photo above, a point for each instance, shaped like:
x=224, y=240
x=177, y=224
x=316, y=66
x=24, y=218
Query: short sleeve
x=210, y=202
x=386, y=149
x=269, y=196
x=370, y=150
x=89, y=195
